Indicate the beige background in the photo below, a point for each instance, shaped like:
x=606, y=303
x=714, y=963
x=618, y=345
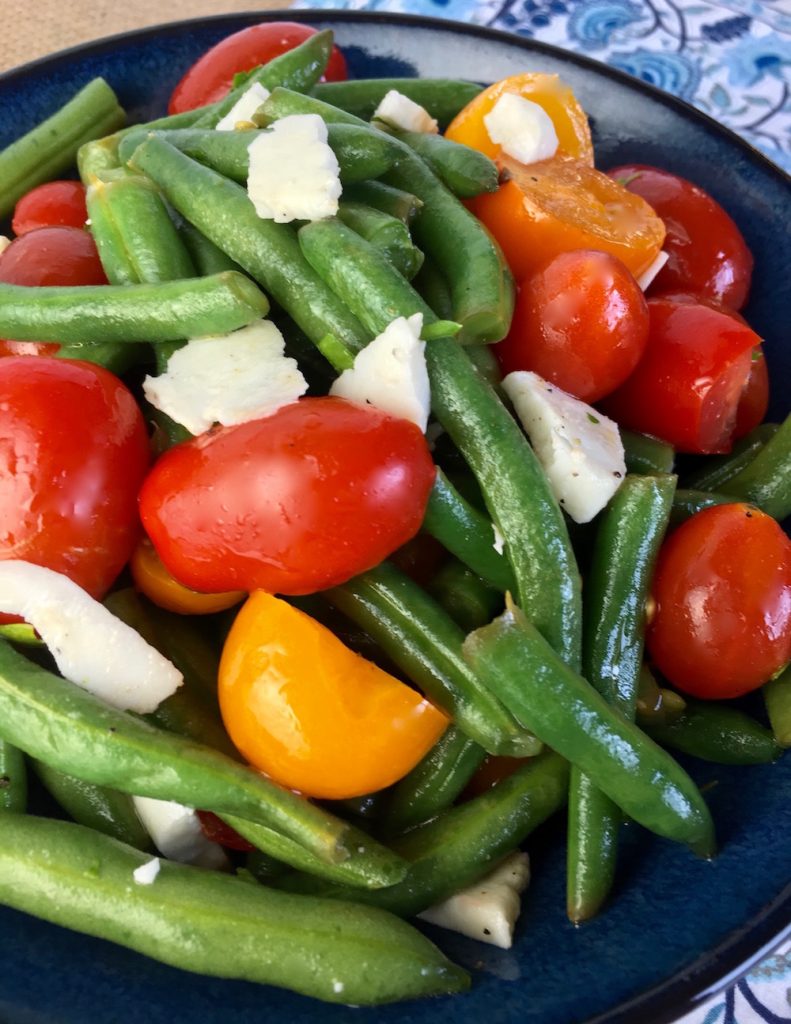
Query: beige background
x=33, y=28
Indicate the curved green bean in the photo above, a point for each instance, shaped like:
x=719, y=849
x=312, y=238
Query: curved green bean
x=717, y=733
x=443, y=98
x=766, y=479
x=465, y=171
x=385, y=233
x=719, y=469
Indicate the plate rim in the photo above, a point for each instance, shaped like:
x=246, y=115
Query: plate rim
x=718, y=968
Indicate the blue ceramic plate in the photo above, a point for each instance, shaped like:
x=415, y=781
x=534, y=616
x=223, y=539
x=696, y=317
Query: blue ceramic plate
x=677, y=926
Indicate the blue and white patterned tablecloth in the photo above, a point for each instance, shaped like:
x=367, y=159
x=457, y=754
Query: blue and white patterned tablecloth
x=732, y=59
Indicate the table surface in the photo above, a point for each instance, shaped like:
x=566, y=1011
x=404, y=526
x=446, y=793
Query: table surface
x=731, y=58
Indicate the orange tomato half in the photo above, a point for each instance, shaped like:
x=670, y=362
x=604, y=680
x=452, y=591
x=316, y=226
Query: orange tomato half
x=314, y=716
x=152, y=579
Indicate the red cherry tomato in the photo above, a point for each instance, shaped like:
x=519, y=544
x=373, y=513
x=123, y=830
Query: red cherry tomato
x=581, y=322
x=722, y=588
x=302, y=500
x=211, y=76
x=217, y=831
x=754, y=401
x=687, y=386
x=73, y=453
x=708, y=254
x=55, y=203
x=57, y=256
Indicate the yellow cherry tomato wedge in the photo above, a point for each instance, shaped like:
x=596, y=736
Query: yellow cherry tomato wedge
x=152, y=579
x=549, y=92
x=314, y=716
x=558, y=205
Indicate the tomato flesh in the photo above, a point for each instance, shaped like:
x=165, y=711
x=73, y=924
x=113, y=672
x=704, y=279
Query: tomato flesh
x=722, y=588
x=216, y=831
x=56, y=203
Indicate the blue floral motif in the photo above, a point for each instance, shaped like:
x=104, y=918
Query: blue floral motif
x=593, y=23
x=728, y=28
x=673, y=72
x=753, y=58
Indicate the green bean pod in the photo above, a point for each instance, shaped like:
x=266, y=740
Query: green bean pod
x=433, y=784
x=464, y=843
x=142, y=312
x=206, y=257
x=443, y=98
x=96, y=807
x=777, y=696
x=465, y=171
x=387, y=234
x=627, y=544
x=714, y=732
x=269, y=252
x=13, y=778
x=98, y=157
x=464, y=596
x=646, y=454
x=719, y=469
x=571, y=717
x=332, y=951
x=431, y=285
x=766, y=480
x=688, y=503
x=394, y=201
x=656, y=705
x=51, y=147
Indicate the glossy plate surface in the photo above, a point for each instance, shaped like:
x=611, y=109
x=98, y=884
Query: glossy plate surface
x=677, y=926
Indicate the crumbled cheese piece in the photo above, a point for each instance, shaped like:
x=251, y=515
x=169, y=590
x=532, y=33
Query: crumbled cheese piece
x=91, y=647
x=391, y=373
x=4, y=243
x=648, y=275
x=522, y=128
x=499, y=540
x=338, y=987
x=228, y=379
x=244, y=108
x=293, y=173
x=147, y=873
x=580, y=449
x=488, y=910
x=177, y=833
x=402, y=112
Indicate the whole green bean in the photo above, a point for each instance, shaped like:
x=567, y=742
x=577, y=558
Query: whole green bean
x=97, y=807
x=431, y=285
x=465, y=596
x=717, y=733
x=465, y=171
x=719, y=469
x=13, y=778
x=142, y=312
x=548, y=697
x=50, y=148
x=205, y=255
x=464, y=843
x=383, y=197
x=646, y=454
x=97, y=157
x=766, y=479
x=777, y=695
x=688, y=503
x=443, y=98
x=385, y=233
x=337, y=952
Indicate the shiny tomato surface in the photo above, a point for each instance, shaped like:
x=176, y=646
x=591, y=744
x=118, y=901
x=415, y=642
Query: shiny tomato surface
x=49, y=205
x=152, y=579
x=57, y=256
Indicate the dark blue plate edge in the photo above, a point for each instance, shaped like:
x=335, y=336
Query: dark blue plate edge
x=716, y=969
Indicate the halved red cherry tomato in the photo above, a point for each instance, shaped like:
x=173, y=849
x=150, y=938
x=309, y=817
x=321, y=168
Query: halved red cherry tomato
x=217, y=831
x=302, y=500
x=708, y=254
x=73, y=453
x=57, y=203
x=581, y=322
x=58, y=256
x=722, y=624
x=686, y=388
x=152, y=579
x=493, y=769
x=211, y=76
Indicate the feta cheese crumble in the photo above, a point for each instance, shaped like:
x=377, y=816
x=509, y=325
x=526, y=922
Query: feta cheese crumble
x=522, y=128
x=242, y=111
x=648, y=275
x=228, y=379
x=5, y=241
x=177, y=833
x=146, y=874
x=401, y=112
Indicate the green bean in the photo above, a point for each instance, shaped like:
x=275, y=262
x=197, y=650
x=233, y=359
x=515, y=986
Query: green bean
x=205, y=255
x=777, y=695
x=443, y=98
x=465, y=171
x=464, y=596
x=516, y=490
x=387, y=234
x=656, y=705
x=425, y=643
x=98, y=157
x=73, y=731
x=433, y=288
x=337, y=952
x=185, y=642
x=646, y=454
x=627, y=544
x=570, y=716
x=766, y=479
x=269, y=252
x=464, y=843
x=383, y=197
x=433, y=784
x=97, y=807
x=13, y=778
x=714, y=732
x=688, y=503
x=485, y=362
x=141, y=312
x=718, y=470
x=21, y=633
x=51, y=147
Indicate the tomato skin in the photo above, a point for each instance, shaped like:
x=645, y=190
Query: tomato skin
x=56, y=256
x=687, y=386
x=216, y=831
x=73, y=453
x=49, y=205
x=210, y=78
x=581, y=322
x=754, y=402
x=300, y=501
x=152, y=579
x=708, y=253
x=722, y=588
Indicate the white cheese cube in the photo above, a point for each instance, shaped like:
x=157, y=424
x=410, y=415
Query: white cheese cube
x=580, y=449
x=4, y=243
x=146, y=874
x=229, y=379
x=648, y=275
x=177, y=833
x=522, y=128
x=293, y=172
x=489, y=909
x=91, y=647
x=391, y=373
x=244, y=108
x=402, y=112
